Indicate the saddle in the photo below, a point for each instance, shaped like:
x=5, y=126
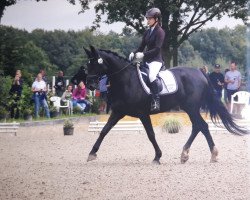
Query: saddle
x=165, y=80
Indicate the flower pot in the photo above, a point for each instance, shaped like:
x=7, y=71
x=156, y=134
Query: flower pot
x=68, y=131
x=28, y=117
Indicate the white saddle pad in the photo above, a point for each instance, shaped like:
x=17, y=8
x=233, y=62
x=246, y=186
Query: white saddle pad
x=167, y=79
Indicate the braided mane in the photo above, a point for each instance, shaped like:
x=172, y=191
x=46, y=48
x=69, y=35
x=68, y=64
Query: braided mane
x=113, y=53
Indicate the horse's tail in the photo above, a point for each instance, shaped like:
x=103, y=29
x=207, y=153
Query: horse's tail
x=218, y=110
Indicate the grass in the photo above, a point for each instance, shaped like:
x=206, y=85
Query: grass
x=63, y=116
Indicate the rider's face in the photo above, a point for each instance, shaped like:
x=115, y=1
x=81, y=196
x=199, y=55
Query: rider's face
x=150, y=21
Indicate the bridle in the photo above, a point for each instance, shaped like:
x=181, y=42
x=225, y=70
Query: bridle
x=101, y=61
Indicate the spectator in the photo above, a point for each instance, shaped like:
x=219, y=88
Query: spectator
x=44, y=77
x=67, y=95
x=205, y=69
x=108, y=96
x=225, y=89
x=217, y=80
x=39, y=93
x=233, y=81
x=103, y=92
x=19, y=73
x=16, y=92
x=60, y=84
x=79, y=98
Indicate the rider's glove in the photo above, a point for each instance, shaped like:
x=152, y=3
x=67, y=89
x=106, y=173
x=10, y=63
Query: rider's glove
x=131, y=56
x=139, y=55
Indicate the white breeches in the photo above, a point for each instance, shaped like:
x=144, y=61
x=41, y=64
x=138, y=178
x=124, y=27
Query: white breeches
x=154, y=68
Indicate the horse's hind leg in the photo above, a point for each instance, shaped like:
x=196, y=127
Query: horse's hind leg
x=185, y=151
x=113, y=119
x=199, y=125
x=213, y=149
x=146, y=121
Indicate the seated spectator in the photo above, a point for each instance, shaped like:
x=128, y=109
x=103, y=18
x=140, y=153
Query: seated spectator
x=67, y=95
x=39, y=93
x=15, y=92
x=79, y=98
x=60, y=84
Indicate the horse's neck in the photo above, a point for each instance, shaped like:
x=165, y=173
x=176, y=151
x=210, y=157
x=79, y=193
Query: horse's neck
x=124, y=79
x=122, y=74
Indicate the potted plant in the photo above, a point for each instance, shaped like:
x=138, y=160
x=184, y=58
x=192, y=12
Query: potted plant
x=54, y=112
x=27, y=114
x=68, y=127
x=172, y=125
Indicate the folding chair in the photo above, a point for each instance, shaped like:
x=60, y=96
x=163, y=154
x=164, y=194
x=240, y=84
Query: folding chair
x=242, y=99
x=57, y=103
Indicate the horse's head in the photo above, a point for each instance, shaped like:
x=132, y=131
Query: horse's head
x=96, y=67
x=79, y=76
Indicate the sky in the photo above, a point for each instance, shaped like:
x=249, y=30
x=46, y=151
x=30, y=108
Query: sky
x=59, y=14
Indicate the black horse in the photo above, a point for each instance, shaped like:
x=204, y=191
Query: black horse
x=129, y=98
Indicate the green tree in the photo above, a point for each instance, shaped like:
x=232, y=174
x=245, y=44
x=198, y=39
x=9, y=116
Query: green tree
x=11, y=44
x=180, y=18
x=221, y=46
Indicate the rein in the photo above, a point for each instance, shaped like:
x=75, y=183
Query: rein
x=109, y=75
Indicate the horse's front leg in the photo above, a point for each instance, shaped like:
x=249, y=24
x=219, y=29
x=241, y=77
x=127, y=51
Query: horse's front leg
x=146, y=121
x=113, y=119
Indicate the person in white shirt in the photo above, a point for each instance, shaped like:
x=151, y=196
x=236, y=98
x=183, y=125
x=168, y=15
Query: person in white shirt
x=39, y=93
x=233, y=81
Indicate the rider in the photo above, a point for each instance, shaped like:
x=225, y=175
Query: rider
x=152, y=39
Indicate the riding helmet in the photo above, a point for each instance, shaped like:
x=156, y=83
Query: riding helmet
x=153, y=12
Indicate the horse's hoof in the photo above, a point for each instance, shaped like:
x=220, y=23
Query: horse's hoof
x=184, y=156
x=156, y=162
x=214, y=155
x=91, y=157
x=213, y=160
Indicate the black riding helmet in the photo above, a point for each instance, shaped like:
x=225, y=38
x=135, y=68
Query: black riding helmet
x=153, y=12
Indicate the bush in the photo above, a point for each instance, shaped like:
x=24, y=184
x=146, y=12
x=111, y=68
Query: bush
x=95, y=105
x=3, y=113
x=76, y=110
x=5, y=85
x=25, y=103
x=172, y=125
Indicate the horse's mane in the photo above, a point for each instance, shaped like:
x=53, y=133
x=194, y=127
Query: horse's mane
x=114, y=53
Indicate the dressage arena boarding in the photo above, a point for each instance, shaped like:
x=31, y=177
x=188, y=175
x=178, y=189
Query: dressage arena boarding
x=41, y=163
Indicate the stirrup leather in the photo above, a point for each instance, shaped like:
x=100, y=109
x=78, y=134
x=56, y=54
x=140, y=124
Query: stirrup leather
x=155, y=105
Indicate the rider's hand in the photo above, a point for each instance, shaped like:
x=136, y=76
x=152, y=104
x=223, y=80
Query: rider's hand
x=139, y=55
x=131, y=56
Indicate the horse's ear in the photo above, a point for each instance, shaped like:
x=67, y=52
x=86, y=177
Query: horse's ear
x=87, y=52
x=94, y=52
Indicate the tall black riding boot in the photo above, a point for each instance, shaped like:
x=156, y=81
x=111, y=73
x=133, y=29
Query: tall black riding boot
x=155, y=103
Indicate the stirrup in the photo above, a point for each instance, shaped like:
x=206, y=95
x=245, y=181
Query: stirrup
x=155, y=106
